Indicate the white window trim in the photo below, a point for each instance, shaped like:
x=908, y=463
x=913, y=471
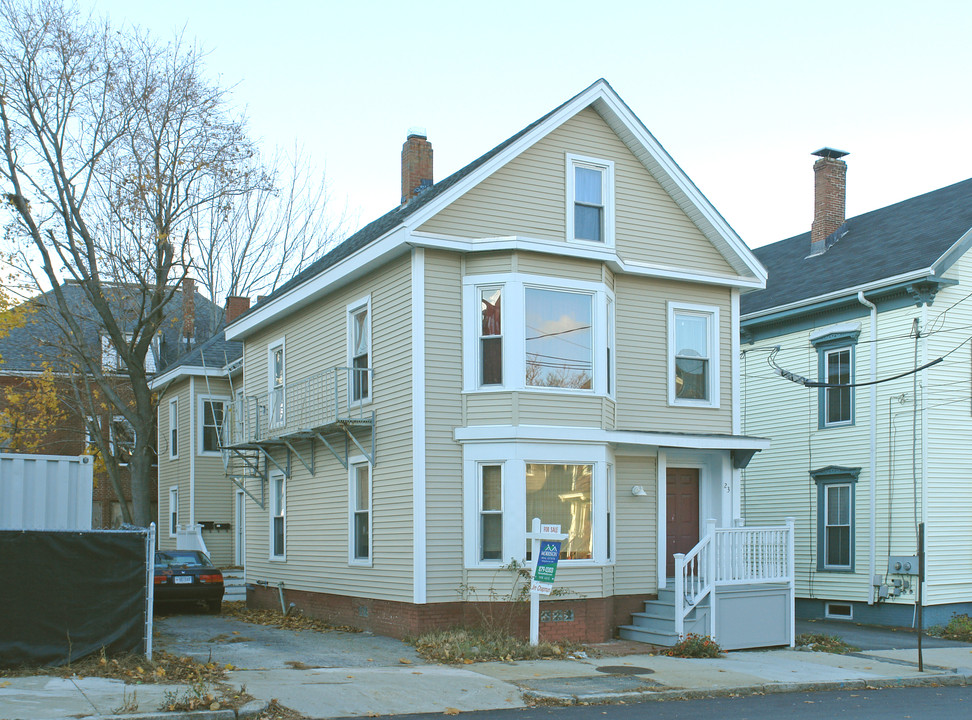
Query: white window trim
x=480, y=561
x=354, y=463
x=514, y=331
x=353, y=308
x=514, y=457
x=200, y=413
x=111, y=436
x=715, y=352
x=89, y=439
x=174, y=425
x=607, y=197
x=826, y=395
x=173, y=500
x=850, y=524
x=271, y=348
x=274, y=476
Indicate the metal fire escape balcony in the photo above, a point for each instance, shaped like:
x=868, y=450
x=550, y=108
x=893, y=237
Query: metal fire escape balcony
x=332, y=408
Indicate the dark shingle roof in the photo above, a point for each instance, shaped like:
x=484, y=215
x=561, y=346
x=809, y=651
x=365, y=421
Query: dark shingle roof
x=215, y=353
x=392, y=219
x=904, y=237
x=41, y=339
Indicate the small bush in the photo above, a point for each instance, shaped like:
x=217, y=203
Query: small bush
x=820, y=642
x=695, y=646
x=471, y=644
x=958, y=628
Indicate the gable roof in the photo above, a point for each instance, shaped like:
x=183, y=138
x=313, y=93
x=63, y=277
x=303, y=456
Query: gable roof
x=40, y=339
x=208, y=359
x=602, y=97
x=921, y=235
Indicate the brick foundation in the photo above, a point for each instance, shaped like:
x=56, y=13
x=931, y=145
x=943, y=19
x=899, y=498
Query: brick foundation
x=594, y=619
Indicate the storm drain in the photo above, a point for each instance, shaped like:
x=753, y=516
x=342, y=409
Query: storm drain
x=623, y=670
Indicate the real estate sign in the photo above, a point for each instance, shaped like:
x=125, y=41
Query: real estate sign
x=546, y=567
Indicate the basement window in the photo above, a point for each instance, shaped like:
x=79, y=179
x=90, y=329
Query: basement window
x=839, y=611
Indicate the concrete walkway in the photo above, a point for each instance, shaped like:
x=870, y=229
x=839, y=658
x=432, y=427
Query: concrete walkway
x=342, y=675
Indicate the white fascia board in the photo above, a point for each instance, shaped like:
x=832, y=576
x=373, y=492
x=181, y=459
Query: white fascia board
x=847, y=291
x=598, y=436
x=372, y=255
x=184, y=371
x=667, y=165
x=957, y=249
x=556, y=247
x=595, y=91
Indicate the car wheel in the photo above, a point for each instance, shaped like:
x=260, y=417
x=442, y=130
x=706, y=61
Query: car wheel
x=214, y=606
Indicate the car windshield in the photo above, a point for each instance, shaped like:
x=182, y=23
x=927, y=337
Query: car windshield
x=181, y=558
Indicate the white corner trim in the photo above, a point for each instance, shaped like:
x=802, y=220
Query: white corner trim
x=661, y=465
x=192, y=452
x=419, y=542
x=734, y=353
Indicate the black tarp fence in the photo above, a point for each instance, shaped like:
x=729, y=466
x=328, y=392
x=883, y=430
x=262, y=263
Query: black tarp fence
x=67, y=594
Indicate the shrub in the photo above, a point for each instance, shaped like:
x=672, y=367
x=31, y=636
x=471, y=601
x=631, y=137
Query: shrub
x=695, y=646
x=479, y=644
x=821, y=642
x=958, y=628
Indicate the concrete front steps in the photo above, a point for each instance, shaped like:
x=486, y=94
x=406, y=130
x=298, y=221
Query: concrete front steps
x=656, y=625
x=234, y=588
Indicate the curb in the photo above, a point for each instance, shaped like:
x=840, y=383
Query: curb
x=250, y=710
x=950, y=679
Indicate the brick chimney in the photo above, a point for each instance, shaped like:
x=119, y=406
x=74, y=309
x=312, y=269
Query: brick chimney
x=188, y=309
x=236, y=306
x=829, y=197
x=416, y=164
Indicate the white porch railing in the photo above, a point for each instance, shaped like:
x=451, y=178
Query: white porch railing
x=732, y=556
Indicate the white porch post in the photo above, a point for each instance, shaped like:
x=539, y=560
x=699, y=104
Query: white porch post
x=710, y=571
x=679, y=595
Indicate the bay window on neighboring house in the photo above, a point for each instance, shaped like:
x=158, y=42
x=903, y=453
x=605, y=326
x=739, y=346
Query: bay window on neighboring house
x=278, y=517
x=590, y=200
x=507, y=484
x=835, y=346
x=532, y=332
x=360, y=510
x=693, y=355
x=835, y=517
x=277, y=378
x=359, y=350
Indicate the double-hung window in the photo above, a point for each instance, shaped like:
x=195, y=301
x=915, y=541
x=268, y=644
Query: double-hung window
x=590, y=200
x=173, y=511
x=836, y=350
x=490, y=511
x=529, y=332
x=360, y=501
x=174, y=429
x=278, y=517
x=122, y=437
x=835, y=517
x=693, y=356
x=359, y=350
x=211, y=415
x=277, y=376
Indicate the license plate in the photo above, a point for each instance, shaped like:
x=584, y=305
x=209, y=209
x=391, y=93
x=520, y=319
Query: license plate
x=182, y=579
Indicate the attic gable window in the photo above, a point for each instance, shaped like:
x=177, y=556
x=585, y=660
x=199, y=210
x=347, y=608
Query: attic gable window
x=590, y=200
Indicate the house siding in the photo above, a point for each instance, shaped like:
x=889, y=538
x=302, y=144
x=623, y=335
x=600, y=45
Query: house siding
x=777, y=482
x=317, y=505
x=214, y=492
x=174, y=473
x=527, y=198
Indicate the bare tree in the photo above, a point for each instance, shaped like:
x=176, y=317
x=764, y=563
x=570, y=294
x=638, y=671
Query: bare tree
x=251, y=243
x=111, y=142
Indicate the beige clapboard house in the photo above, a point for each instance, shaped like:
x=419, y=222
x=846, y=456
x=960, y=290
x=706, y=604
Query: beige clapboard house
x=550, y=332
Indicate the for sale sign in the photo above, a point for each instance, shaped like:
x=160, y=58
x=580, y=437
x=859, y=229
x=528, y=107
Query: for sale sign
x=546, y=568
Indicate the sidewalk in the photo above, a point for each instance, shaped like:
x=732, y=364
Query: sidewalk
x=388, y=681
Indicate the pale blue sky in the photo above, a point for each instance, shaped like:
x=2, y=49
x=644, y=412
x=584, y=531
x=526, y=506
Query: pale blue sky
x=739, y=93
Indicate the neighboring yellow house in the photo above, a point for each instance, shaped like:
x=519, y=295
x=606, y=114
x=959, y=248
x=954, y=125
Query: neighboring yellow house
x=550, y=332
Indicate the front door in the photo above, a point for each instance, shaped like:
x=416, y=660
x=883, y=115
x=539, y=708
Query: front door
x=682, y=513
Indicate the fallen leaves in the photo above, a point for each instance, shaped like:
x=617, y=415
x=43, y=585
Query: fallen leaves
x=451, y=711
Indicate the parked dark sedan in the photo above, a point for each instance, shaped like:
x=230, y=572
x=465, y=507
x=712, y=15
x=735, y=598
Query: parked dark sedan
x=187, y=576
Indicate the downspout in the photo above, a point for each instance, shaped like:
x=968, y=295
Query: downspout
x=872, y=473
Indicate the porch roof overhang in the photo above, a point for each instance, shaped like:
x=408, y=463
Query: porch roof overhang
x=743, y=447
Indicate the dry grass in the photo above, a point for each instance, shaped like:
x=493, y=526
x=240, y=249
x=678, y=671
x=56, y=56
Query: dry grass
x=295, y=620
x=821, y=642
x=469, y=645
x=162, y=668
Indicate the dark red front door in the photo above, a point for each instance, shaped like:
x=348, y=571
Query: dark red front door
x=682, y=500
